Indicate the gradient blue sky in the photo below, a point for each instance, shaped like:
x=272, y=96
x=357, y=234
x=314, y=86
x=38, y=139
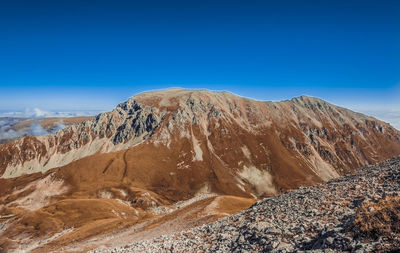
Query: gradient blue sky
x=91, y=55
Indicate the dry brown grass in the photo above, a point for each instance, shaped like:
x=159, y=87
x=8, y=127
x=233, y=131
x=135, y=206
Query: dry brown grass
x=87, y=217
x=375, y=219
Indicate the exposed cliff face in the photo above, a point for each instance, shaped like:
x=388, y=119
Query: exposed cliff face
x=305, y=137
x=159, y=148
x=122, y=128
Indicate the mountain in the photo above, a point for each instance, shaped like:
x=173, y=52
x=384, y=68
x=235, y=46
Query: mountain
x=169, y=160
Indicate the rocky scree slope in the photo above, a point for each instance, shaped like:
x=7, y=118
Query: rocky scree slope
x=359, y=212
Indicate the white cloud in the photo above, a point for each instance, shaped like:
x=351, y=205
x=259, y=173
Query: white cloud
x=59, y=125
x=39, y=113
x=5, y=129
x=37, y=130
x=12, y=114
x=9, y=134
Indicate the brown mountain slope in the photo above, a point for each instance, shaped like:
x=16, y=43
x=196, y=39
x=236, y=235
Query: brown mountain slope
x=322, y=134
x=159, y=148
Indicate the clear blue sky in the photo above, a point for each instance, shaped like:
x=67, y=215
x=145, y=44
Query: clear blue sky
x=87, y=55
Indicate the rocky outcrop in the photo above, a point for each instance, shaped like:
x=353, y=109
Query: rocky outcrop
x=296, y=142
x=358, y=212
x=128, y=124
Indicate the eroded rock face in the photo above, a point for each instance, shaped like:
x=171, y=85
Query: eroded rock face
x=125, y=126
x=305, y=137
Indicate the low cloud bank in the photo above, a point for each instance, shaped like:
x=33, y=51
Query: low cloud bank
x=37, y=130
x=391, y=116
x=7, y=132
x=9, y=118
x=59, y=125
x=39, y=113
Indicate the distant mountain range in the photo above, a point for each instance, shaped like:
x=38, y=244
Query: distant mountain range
x=12, y=128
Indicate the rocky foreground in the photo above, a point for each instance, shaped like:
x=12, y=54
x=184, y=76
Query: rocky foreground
x=359, y=212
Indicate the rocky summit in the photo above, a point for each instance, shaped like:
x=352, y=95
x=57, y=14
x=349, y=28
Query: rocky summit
x=172, y=160
x=359, y=212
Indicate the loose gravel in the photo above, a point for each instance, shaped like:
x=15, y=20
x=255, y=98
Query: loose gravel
x=320, y=218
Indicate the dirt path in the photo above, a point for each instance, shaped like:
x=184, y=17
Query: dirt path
x=125, y=164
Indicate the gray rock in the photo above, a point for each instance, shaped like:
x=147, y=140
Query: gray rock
x=280, y=224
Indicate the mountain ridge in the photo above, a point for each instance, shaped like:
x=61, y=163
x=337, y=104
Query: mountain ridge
x=145, y=123
x=131, y=168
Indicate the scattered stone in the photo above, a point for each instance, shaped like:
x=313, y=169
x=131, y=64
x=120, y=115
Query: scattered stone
x=283, y=223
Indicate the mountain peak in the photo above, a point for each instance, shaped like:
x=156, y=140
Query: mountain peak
x=307, y=99
x=163, y=147
x=180, y=95
x=160, y=116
